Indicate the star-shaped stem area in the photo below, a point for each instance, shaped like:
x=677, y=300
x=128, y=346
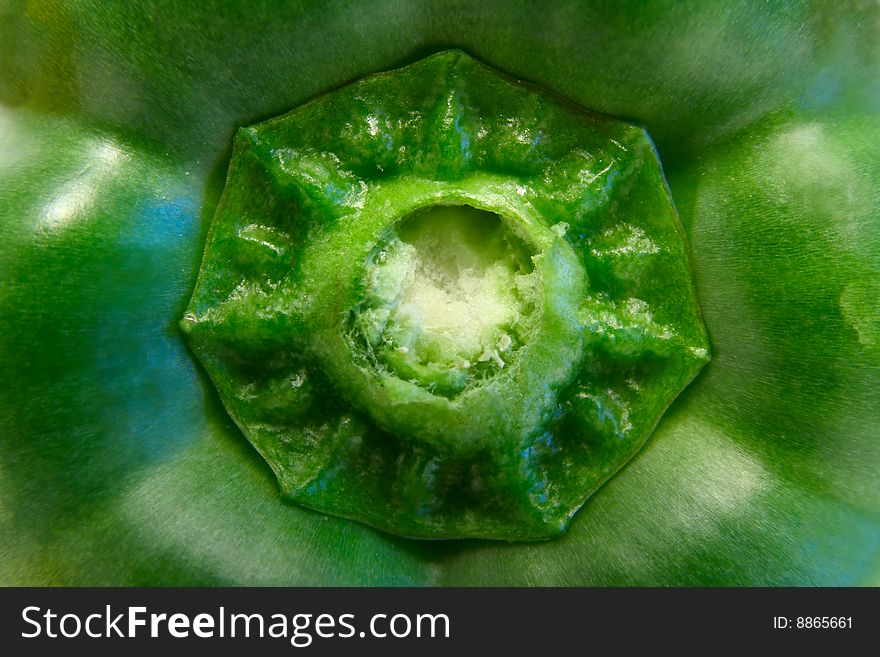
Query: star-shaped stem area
x=444, y=302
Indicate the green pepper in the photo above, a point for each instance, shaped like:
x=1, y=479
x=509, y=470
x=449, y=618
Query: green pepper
x=119, y=463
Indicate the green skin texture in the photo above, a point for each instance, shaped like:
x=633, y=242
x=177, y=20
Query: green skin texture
x=308, y=199
x=118, y=463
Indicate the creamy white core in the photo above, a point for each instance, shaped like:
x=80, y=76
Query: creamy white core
x=450, y=290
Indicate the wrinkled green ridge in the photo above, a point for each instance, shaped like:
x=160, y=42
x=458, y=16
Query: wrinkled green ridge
x=309, y=199
x=119, y=466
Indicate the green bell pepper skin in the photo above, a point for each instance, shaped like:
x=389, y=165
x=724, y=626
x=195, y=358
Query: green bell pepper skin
x=119, y=465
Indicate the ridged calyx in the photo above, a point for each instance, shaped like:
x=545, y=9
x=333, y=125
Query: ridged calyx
x=444, y=302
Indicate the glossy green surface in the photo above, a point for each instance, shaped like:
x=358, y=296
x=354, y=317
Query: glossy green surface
x=342, y=304
x=117, y=461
